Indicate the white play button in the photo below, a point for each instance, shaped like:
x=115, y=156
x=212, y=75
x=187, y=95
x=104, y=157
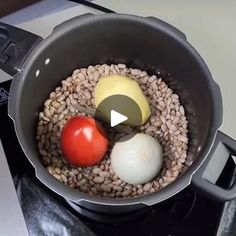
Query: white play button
x=117, y=118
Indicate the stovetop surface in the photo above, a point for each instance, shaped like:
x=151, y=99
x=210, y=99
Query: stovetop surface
x=185, y=214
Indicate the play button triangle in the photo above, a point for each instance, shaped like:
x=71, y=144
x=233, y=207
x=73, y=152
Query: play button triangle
x=117, y=118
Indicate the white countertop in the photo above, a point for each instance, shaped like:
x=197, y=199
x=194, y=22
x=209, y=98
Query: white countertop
x=209, y=26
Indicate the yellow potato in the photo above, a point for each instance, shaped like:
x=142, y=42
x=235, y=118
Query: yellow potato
x=121, y=85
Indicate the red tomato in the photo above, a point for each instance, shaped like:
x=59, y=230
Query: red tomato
x=83, y=141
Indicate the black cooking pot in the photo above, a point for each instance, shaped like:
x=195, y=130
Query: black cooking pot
x=140, y=42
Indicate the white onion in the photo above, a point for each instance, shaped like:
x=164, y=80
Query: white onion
x=137, y=159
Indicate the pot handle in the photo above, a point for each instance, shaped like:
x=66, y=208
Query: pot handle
x=168, y=27
x=205, y=178
x=71, y=22
x=15, y=46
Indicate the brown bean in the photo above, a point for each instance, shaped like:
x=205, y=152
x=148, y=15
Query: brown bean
x=117, y=188
x=105, y=188
x=183, y=138
x=152, y=78
x=96, y=171
x=118, y=182
x=94, y=190
x=147, y=187
x=125, y=193
x=121, y=66
x=43, y=152
x=140, y=191
x=135, y=71
x=104, y=174
x=98, y=179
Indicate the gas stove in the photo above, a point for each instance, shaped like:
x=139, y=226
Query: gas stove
x=46, y=213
